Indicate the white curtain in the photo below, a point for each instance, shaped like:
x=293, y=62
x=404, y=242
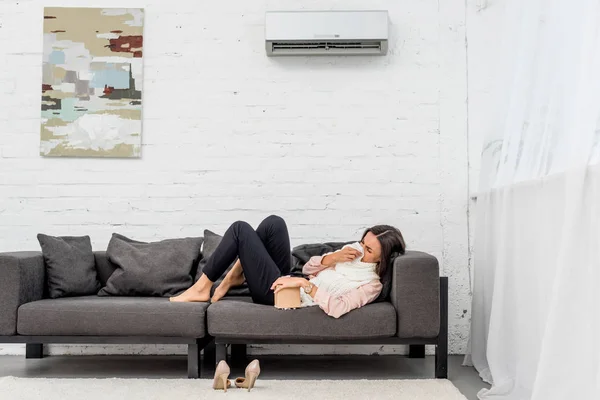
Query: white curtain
x=535, y=330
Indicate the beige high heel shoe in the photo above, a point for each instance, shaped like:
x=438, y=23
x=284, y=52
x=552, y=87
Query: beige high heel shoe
x=252, y=372
x=221, y=374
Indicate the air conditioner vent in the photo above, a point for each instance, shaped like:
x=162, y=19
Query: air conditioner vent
x=326, y=45
x=307, y=33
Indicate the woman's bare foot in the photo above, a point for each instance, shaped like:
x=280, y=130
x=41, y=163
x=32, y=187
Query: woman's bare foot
x=199, y=292
x=191, y=295
x=228, y=282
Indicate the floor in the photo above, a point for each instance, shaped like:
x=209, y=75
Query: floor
x=465, y=379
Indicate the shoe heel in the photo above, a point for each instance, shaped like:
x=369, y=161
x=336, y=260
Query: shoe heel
x=251, y=380
x=223, y=379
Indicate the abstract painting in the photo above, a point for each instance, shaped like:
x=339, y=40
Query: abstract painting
x=92, y=82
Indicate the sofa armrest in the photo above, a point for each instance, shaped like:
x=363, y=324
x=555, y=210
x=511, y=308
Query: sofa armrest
x=416, y=295
x=22, y=277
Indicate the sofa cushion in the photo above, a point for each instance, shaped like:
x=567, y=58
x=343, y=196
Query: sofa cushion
x=112, y=316
x=211, y=242
x=240, y=318
x=151, y=269
x=70, y=266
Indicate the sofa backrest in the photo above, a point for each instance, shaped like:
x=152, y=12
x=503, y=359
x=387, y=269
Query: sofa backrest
x=103, y=266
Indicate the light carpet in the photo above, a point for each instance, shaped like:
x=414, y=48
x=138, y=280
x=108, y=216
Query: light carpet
x=12, y=388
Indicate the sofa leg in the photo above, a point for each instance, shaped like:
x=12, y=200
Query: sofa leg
x=193, y=360
x=34, y=350
x=220, y=352
x=238, y=353
x=441, y=362
x=416, y=351
x=441, y=349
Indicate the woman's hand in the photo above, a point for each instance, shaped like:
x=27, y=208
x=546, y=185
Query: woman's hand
x=340, y=256
x=288, y=281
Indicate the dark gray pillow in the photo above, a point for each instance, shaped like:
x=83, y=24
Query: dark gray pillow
x=151, y=269
x=301, y=254
x=211, y=242
x=70, y=265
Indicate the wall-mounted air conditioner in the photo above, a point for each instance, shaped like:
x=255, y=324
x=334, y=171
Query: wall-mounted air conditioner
x=326, y=33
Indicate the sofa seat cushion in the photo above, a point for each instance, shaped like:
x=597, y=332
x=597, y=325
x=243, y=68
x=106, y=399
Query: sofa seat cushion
x=240, y=318
x=112, y=316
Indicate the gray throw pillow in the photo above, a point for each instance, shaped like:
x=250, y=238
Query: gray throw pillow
x=70, y=265
x=151, y=269
x=211, y=242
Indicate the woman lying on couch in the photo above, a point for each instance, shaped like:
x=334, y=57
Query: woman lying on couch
x=337, y=282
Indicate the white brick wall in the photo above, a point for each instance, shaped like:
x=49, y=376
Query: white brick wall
x=331, y=144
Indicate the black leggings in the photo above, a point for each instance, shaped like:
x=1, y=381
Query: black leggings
x=265, y=255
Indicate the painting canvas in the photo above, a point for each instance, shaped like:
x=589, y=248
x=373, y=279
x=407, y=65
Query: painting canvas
x=92, y=82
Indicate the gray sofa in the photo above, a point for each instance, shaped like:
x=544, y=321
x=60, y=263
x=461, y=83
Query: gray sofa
x=416, y=314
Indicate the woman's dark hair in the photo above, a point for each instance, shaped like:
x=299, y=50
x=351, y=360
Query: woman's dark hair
x=391, y=241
